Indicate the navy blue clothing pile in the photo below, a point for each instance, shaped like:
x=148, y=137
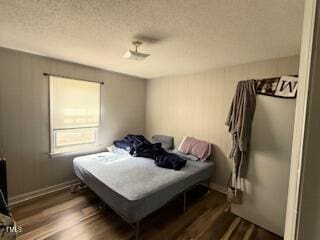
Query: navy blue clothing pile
x=139, y=146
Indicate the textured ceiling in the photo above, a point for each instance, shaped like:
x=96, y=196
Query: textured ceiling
x=182, y=36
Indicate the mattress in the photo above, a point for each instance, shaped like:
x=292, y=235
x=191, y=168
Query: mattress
x=134, y=187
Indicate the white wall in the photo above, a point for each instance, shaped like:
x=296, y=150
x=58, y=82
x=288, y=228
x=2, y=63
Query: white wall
x=24, y=116
x=266, y=185
x=197, y=105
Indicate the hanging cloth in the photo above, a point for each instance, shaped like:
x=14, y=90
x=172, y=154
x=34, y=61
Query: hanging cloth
x=239, y=121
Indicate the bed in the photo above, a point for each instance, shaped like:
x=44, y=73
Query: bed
x=134, y=187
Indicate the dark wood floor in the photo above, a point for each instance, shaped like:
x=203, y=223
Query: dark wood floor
x=65, y=215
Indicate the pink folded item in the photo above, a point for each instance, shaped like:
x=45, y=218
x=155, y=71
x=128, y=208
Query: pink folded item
x=193, y=146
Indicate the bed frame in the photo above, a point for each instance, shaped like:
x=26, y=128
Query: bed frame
x=136, y=225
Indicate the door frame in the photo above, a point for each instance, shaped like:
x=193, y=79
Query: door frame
x=292, y=212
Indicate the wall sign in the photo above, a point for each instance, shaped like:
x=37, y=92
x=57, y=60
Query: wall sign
x=285, y=86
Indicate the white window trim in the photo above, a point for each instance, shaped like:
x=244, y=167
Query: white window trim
x=86, y=150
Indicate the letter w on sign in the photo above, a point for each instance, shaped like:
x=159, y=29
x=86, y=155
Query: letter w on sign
x=287, y=87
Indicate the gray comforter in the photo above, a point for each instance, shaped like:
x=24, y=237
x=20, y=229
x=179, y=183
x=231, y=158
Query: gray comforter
x=133, y=186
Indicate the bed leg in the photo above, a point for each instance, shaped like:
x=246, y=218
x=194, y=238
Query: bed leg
x=137, y=229
x=77, y=187
x=102, y=205
x=209, y=181
x=184, y=201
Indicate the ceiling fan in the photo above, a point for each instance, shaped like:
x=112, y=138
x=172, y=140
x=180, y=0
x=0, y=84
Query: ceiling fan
x=135, y=55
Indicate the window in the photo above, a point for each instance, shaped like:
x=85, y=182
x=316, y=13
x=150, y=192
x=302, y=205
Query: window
x=74, y=114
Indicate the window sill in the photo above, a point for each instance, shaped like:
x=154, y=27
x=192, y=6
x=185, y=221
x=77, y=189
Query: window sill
x=77, y=153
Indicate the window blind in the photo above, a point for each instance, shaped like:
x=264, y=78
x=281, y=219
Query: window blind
x=74, y=103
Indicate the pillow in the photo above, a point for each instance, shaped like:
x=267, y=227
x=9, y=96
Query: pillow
x=166, y=141
x=196, y=147
x=184, y=156
x=180, y=145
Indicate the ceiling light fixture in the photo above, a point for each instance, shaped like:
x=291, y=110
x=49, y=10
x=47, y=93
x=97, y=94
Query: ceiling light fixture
x=135, y=55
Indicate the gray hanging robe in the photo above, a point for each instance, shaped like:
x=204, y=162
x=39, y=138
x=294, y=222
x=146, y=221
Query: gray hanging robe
x=239, y=121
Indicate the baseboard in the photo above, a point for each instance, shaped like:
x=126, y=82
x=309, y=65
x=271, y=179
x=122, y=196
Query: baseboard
x=43, y=191
x=218, y=188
